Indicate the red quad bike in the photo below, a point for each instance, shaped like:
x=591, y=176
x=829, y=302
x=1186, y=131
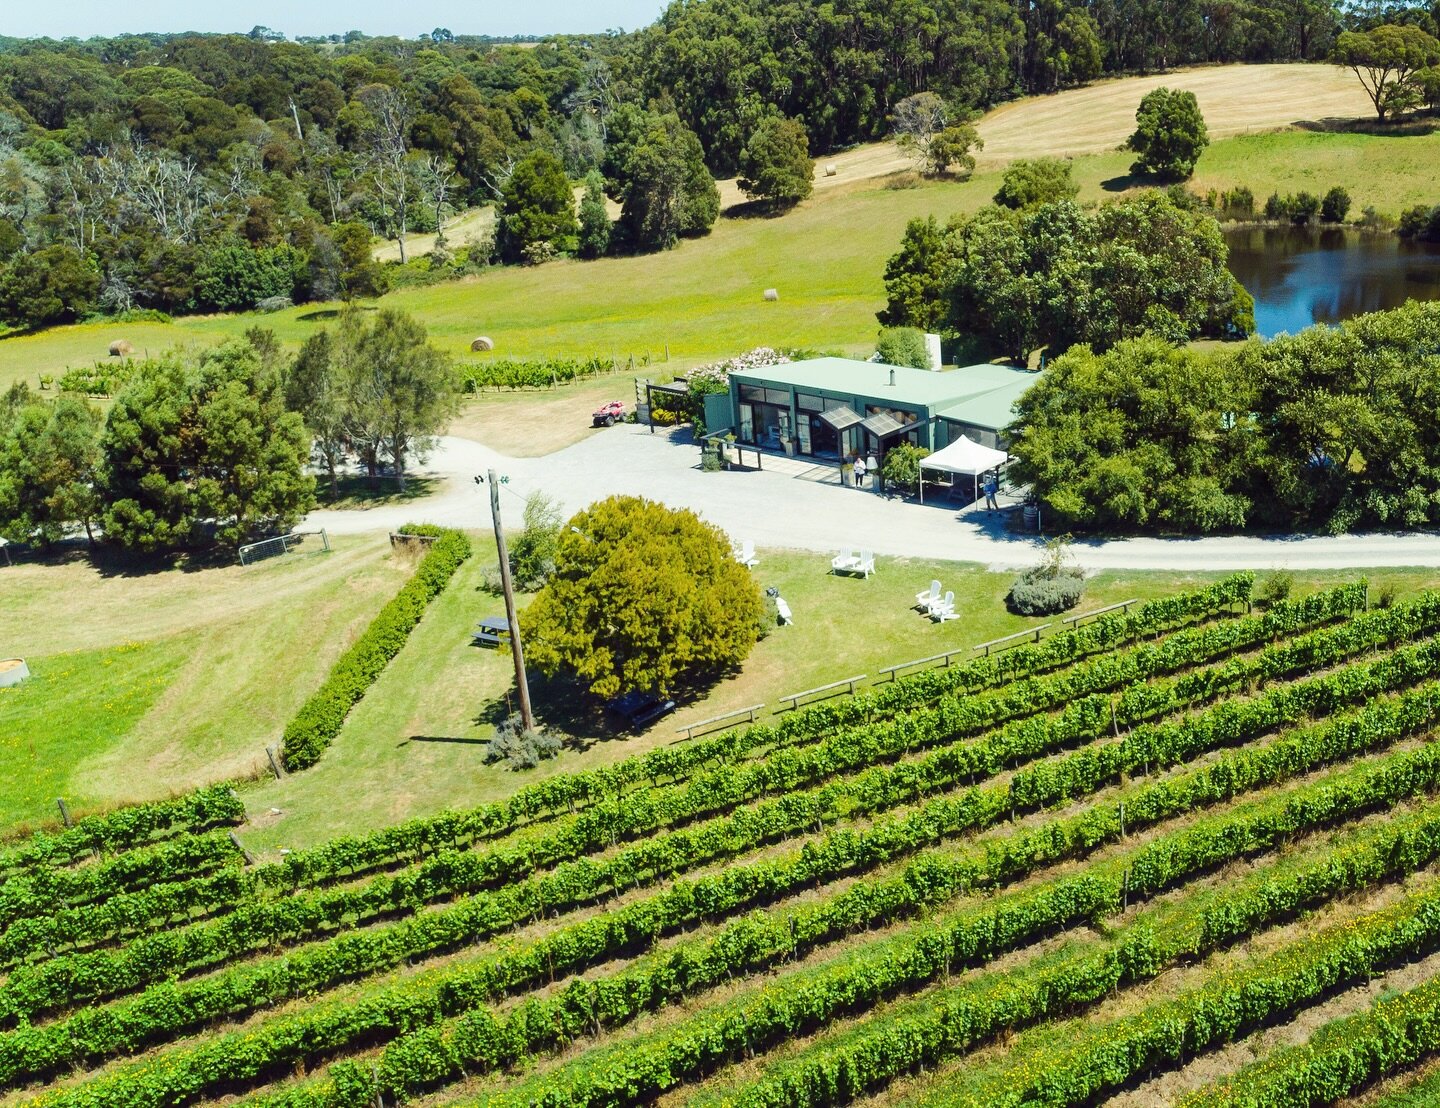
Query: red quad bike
x=607, y=414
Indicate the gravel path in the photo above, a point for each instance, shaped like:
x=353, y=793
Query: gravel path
x=777, y=510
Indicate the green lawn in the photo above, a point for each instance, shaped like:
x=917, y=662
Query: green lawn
x=703, y=299
x=151, y=683
x=73, y=707
x=415, y=744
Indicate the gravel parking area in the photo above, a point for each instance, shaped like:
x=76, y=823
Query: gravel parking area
x=778, y=510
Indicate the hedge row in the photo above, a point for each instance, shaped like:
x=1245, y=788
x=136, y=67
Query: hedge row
x=485, y=1039
x=929, y=1031
x=125, y=828
x=320, y=718
x=1344, y=1056
x=1228, y=1008
x=616, y=784
x=509, y=373
x=1084, y=717
x=840, y=853
x=246, y=1056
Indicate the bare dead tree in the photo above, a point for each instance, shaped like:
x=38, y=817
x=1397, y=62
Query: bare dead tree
x=496, y=180
x=389, y=169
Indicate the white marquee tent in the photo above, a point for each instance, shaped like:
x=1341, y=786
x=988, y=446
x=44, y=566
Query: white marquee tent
x=964, y=456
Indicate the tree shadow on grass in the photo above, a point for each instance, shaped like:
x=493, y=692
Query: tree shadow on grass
x=357, y=492
x=1405, y=128
x=321, y=315
x=758, y=209
x=1125, y=182
x=110, y=560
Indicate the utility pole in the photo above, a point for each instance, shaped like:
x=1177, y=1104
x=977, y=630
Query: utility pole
x=527, y=717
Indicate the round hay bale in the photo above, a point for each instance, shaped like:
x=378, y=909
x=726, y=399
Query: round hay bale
x=772, y=294
x=121, y=349
x=831, y=169
x=483, y=343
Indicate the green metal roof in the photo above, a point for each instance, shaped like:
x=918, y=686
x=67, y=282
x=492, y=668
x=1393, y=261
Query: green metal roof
x=980, y=394
x=993, y=410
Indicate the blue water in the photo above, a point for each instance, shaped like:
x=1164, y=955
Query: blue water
x=1300, y=276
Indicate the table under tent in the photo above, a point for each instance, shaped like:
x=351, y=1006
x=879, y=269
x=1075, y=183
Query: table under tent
x=963, y=457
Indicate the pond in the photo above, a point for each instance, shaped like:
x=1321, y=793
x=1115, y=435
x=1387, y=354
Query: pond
x=1301, y=276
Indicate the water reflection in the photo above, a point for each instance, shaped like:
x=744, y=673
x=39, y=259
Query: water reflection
x=1301, y=276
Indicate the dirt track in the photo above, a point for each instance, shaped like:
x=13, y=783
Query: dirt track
x=1090, y=120
x=1099, y=117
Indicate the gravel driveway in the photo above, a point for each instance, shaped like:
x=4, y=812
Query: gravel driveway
x=777, y=510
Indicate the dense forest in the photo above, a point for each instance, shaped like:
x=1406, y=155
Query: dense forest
x=216, y=172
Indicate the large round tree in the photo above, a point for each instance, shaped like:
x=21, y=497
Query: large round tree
x=1169, y=135
x=642, y=597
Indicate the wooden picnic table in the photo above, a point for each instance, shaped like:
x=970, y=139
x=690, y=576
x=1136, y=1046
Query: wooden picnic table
x=491, y=631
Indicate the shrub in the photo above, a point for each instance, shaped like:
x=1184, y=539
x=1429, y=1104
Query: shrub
x=1035, y=593
x=532, y=554
x=520, y=748
x=1274, y=588
x=901, y=469
x=321, y=716
x=1420, y=222
x=1336, y=206
x=1384, y=596
x=1238, y=203
x=1302, y=207
x=902, y=346
x=1052, y=586
x=1030, y=181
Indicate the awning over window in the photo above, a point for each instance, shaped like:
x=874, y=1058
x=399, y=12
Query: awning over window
x=840, y=418
x=882, y=426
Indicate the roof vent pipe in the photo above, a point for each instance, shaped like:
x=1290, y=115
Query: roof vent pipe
x=892, y=378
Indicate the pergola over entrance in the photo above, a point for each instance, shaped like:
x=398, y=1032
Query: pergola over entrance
x=677, y=389
x=963, y=456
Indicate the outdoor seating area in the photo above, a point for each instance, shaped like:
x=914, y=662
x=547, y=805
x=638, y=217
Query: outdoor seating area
x=847, y=561
x=492, y=631
x=936, y=605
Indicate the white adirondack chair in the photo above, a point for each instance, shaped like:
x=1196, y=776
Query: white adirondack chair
x=845, y=562
x=866, y=563
x=944, y=608
x=929, y=596
x=745, y=554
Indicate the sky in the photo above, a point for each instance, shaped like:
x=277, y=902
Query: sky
x=83, y=18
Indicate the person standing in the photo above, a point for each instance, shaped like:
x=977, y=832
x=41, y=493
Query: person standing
x=991, y=486
x=859, y=471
